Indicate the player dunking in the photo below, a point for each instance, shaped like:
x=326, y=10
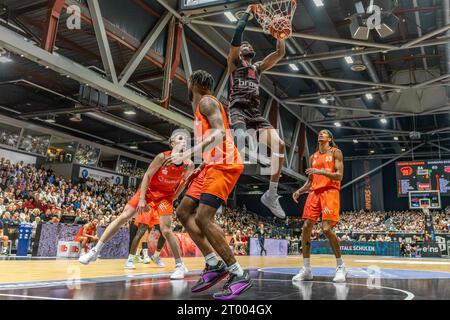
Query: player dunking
x=323, y=184
x=161, y=185
x=211, y=188
x=245, y=110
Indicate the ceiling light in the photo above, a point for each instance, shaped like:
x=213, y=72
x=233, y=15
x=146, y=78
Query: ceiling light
x=337, y=124
x=50, y=119
x=130, y=112
x=76, y=118
x=230, y=16
x=134, y=146
x=355, y=141
x=293, y=67
x=323, y=101
x=349, y=59
x=403, y=149
x=318, y=3
x=5, y=59
x=383, y=120
x=372, y=151
x=396, y=138
x=369, y=96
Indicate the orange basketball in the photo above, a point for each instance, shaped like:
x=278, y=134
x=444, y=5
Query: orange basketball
x=281, y=27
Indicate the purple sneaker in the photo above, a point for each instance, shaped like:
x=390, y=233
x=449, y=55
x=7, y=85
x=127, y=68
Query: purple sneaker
x=234, y=287
x=210, y=276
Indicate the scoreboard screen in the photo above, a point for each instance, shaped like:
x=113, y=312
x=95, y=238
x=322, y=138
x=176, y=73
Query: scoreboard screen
x=424, y=175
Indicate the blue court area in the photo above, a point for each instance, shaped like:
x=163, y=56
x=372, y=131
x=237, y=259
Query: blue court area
x=366, y=273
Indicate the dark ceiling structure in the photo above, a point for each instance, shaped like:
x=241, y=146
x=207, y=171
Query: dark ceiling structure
x=139, y=54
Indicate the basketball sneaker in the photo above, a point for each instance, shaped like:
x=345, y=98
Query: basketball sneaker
x=341, y=274
x=146, y=260
x=89, y=257
x=129, y=265
x=158, y=261
x=179, y=273
x=234, y=286
x=210, y=276
x=304, y=274
x=273, y=204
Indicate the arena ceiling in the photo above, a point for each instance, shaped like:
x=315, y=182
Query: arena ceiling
x=404, y=87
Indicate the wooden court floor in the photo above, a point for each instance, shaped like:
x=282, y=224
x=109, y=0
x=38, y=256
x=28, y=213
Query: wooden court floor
x=13, y=271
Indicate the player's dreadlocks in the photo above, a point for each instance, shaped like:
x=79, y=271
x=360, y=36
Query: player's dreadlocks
x=203, y=80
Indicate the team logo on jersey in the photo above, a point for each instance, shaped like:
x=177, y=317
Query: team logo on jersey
x=328, y=159
x=164, y=171
x=327, y=211
x=163, y=206
x=252, y=73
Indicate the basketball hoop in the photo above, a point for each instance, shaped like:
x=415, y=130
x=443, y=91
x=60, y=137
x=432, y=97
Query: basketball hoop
x=276, y=17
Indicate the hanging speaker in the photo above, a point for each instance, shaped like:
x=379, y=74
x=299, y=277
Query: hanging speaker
x=358, y=29
x=389, y=25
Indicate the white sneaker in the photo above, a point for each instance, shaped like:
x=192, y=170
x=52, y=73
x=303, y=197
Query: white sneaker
x=341, y=274
x=129, y=265
x=146, y=260
x=89, y=257
x=179, y=273
x=273, y=204
x=303, y=274
x=158, y=261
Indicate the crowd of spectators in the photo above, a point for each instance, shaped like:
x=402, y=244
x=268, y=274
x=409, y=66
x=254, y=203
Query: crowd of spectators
x=33, y=195
x=395, y=221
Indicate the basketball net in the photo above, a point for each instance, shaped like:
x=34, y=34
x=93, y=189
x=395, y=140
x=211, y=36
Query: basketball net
x=276, y=17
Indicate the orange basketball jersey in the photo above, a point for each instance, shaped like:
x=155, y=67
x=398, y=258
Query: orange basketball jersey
x=166, y=180
x=326, y=162
x=225, y=154
x=90, y=231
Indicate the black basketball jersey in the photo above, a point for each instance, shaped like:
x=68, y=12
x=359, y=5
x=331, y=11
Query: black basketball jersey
x=244, y=84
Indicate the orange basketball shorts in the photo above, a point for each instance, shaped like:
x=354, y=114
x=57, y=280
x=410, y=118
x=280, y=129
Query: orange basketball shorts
x=216, y=180
x=157, y=207
x=324, y=203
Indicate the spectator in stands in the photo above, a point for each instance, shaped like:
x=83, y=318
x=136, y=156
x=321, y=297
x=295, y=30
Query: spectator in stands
x=3, y=239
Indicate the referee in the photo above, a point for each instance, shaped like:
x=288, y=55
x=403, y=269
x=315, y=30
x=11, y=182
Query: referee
x=261, y=238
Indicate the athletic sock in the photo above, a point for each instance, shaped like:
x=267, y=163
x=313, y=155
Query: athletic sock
x=211, y=260
x=145, y=252
x=156, y=254
x=339, y=262
x=99, y=246
x=178, y=262
x=273, y=188
x=131, y=257
x=138, y=252
x=306, y=263
x=236, y=269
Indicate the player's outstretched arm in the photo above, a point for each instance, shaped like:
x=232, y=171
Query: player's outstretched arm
x=304, y=188
x=186, y=179
x=233, y=55
x=272, y=59
x=209, y=108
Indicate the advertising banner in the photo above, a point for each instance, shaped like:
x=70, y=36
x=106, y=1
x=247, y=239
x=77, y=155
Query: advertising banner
x=358, y=248
x=430, y=249
x=274, y=247
x=98, y=175
x=16, y=157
